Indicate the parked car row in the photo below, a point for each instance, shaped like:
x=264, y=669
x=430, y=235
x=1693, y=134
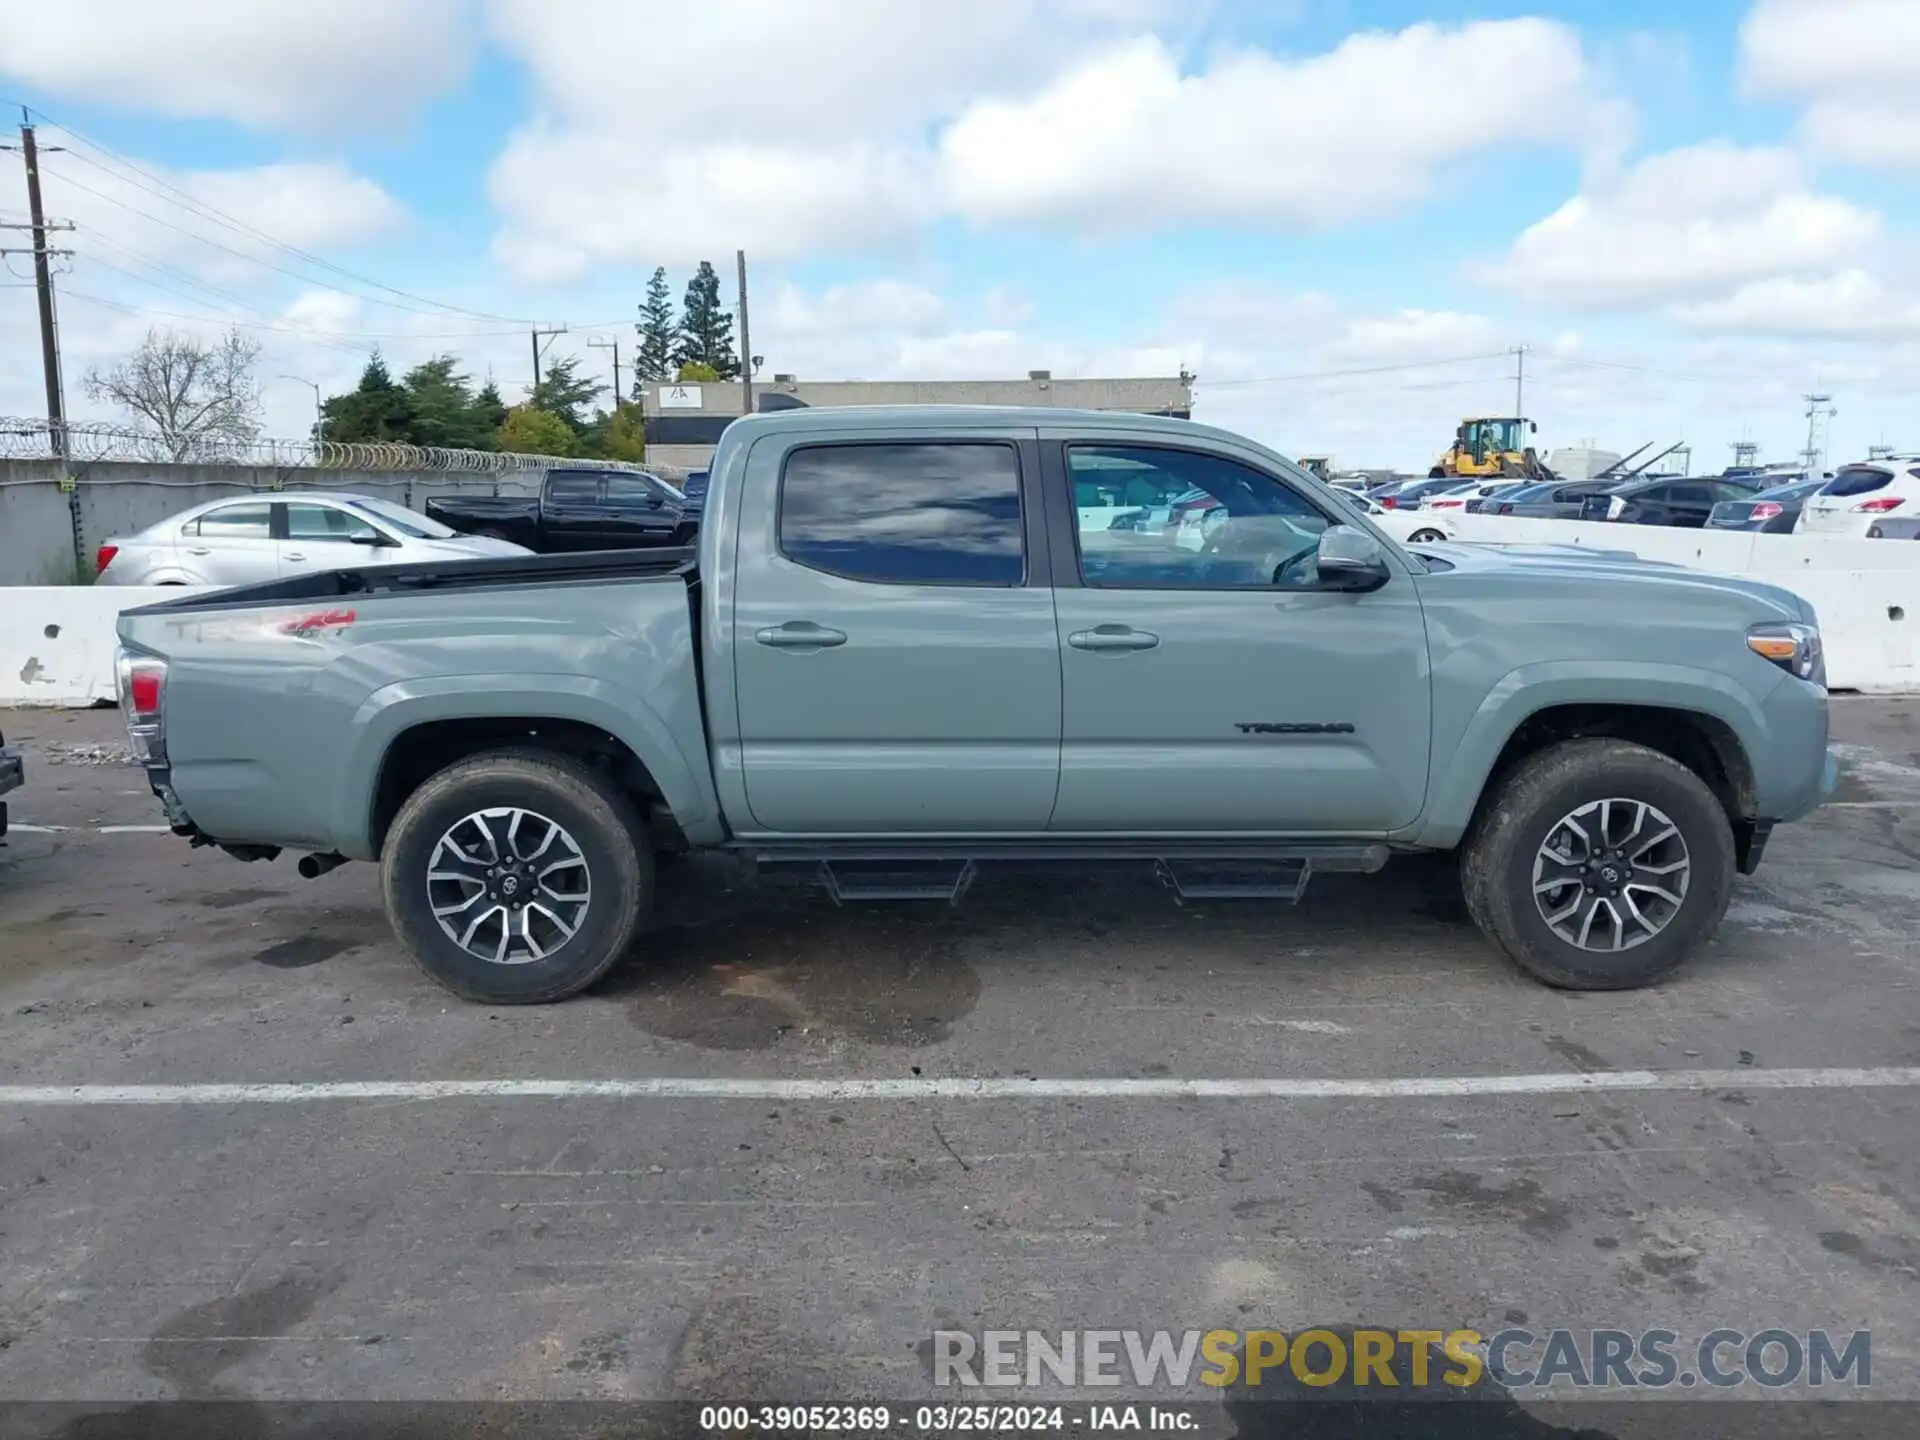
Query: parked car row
x=1870, y=499
x=244, y=539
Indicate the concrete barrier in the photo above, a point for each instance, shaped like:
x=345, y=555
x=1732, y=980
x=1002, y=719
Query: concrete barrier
x=57, y=641
x=1866, y=592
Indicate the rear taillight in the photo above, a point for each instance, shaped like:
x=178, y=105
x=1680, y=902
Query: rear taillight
x=1765, y=510
x=143, y=692
x=1389, y=503
x=1879, y=506
x=103, y=557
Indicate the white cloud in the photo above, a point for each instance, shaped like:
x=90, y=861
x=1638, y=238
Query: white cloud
x=1689, y=224
x=1850, y=304
x=851, y=124
x=1851, y=62
x=303, y=63
x=1126, y=140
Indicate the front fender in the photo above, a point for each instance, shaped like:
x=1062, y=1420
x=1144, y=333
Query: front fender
x=1530, y=689
x=387, y=713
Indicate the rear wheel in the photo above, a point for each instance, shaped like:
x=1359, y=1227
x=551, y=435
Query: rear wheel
x=1426, y=536
x=517, y=877
x=1599, y=865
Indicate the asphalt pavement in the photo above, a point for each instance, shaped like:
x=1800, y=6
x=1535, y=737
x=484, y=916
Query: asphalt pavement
x=507, y=1241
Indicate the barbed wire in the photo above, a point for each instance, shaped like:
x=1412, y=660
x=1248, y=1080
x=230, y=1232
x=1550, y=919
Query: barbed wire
x=31, y=439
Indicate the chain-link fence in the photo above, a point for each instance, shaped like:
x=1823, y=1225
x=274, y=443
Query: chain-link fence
x=25, y=439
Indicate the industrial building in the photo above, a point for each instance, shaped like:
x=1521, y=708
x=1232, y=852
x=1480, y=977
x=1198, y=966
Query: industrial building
x=684, y=421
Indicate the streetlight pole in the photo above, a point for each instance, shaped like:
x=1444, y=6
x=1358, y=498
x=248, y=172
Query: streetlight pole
x=319, y=415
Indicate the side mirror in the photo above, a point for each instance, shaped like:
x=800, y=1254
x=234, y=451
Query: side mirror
x=1534, y=426
x=654, y=502
x=371, y=538
x=1351, y=559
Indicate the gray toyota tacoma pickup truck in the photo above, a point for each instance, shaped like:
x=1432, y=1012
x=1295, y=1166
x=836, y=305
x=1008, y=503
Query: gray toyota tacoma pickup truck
x=915, y=644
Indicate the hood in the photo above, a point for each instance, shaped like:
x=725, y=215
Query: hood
x=1620, y=566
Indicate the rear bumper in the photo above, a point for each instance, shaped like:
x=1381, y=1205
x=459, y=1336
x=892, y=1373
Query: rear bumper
x=13, y=774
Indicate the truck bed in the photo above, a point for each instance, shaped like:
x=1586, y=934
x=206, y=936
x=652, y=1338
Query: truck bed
x=441, y=576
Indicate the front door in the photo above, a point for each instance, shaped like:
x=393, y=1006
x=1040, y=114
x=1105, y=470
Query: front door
x=1209, y=683
x=895, y=662
x=231, y=545
x=320, y=537
x=635, y=513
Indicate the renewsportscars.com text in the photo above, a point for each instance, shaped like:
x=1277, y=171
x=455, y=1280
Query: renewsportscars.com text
x=1404, y=1359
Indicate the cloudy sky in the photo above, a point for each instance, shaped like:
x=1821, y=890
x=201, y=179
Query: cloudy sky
x=1340, y=214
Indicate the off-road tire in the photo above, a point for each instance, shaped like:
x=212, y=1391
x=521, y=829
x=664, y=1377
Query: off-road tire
x=601, y=820
x=1497, y=857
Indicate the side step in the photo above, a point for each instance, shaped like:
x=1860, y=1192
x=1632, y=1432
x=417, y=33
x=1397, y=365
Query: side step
x=1284, y=880
x=850, y=880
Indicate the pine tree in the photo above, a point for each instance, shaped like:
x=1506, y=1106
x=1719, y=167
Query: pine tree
x=444, y=411
x=706, y=326
x=564, y=394
x=654, y=359
x=377, y=409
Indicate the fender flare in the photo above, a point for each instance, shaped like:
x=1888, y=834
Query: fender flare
x=394, y=709
x=1526, y=691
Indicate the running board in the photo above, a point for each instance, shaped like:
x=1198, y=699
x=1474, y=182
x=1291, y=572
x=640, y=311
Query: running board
x=945, y=870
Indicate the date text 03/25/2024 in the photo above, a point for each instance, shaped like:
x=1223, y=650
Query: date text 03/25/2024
x=942, y=1419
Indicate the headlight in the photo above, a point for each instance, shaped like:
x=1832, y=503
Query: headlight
x=1793, y=646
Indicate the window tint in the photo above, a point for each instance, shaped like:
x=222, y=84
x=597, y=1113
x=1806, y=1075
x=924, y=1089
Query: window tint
x=1190, y=521
x=630, y=490
x=905, y=514
x=575, y=487
x=236, y=522
x=1857, y=480
x=323, y=522
x=1692, y=494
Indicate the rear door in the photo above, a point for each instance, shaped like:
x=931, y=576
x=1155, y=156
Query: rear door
x=231, y=544
x=571, y=512
x=896, y=665
x=1210, y=685
x=1689, y=503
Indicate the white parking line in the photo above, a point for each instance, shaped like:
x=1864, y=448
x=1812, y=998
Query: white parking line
x=91, y=829
x=929, y=1088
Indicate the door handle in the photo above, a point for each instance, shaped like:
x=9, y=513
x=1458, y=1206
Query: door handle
x=292, y=555
x=800, y=635
x=199, y=550
x=1113, y=637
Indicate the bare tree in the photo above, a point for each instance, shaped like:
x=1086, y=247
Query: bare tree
x=189, y=391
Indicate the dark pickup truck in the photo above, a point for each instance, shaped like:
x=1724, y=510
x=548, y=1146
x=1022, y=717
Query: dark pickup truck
x=577, y=510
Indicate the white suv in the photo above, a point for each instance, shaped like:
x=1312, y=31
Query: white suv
x=1862, y=493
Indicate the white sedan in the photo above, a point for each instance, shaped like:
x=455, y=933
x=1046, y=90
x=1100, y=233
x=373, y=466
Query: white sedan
x=1409, y=527
x=1457, y=499
x=242, y=540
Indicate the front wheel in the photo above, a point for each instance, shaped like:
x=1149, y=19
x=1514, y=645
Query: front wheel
x=1426, y=536
x=517, y=877
x=1599, y=865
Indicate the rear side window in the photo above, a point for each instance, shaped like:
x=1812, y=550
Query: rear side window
x=1692, y=494
x=567, y=488
x=234, y=522
x=940, y=514
x=1857, y=480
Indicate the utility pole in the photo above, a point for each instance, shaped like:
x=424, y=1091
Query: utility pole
x=319, y=415
x=1519, y=353
x=746, y=341
x=43, y=283
x=1746, y=454
x=613, y=345
x=1820, y=412
x=538, y=351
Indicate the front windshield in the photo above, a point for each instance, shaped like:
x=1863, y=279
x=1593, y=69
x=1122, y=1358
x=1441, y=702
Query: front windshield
x=407, y=522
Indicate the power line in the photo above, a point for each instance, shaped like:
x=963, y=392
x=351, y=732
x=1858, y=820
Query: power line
x=188, y=201
x=1358, y=370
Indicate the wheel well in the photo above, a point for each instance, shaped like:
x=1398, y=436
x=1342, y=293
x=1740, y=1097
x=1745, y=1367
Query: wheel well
x=418, y=754
x=1705, y=745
